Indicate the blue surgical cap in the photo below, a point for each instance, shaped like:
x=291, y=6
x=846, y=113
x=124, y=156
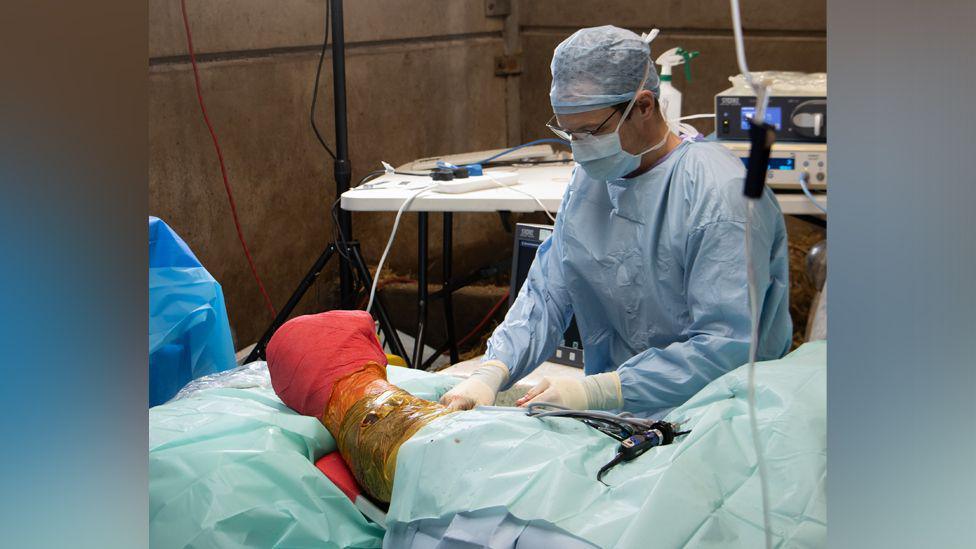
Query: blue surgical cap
x=599, y=67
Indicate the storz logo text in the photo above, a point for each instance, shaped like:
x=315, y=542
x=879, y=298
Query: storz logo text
x=729, y=101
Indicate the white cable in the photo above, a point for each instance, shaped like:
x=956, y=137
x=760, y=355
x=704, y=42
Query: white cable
x=530, y=195
x=406, y=205
x=760, y=114
x=389, y=244
x=806, y=191
x=740, y=52
x=740, y=55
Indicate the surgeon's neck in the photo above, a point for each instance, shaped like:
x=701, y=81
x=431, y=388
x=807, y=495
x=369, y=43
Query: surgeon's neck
x=650, y=159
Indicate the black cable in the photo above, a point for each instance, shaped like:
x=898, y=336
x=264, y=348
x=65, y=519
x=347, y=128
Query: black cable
x=337, y=235
x=315, y=89
x=525, y=162
x=606, y=468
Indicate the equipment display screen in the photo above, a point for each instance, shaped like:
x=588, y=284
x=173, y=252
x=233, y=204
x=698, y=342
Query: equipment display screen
x=524, y=255
x=774, y=116
x=776, y=163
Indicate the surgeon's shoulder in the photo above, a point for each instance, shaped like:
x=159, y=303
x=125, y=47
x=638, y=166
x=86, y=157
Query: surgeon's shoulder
x=709, y=181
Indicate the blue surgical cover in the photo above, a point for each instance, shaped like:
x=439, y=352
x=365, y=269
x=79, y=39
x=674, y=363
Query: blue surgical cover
x=189, y=333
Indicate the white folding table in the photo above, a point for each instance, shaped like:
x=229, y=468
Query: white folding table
x=545, y=182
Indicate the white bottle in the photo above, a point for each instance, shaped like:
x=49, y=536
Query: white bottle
x=669, y=96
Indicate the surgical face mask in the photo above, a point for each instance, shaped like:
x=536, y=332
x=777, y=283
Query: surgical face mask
x=602, y=156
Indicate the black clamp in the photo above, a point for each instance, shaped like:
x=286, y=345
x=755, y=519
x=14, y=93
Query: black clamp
x=661, y=433
x=761, y=138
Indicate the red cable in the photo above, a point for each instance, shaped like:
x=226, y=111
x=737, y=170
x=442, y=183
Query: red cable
x=485, y=320
x=220, y=158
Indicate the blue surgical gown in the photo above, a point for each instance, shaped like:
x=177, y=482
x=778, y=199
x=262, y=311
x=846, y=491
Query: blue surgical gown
x=654, y=269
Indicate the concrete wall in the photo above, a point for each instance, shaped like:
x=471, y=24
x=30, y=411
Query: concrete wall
x=421, y=81
x=779, y=35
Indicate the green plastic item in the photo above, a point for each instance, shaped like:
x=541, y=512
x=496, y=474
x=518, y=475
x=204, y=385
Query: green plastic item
x=234, y=467
x=687, y=56
x=701, y=491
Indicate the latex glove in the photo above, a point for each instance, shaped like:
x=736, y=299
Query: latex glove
x=595, y=392
x=479, y=389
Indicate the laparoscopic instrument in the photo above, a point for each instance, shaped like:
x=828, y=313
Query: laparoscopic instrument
x=636, y=435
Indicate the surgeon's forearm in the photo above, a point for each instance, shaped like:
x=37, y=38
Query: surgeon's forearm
x=660, y=379
x=532, y=329
x=521, y=350
x=535, y=323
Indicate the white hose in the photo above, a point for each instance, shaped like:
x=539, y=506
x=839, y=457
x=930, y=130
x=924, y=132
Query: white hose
x=740, y=55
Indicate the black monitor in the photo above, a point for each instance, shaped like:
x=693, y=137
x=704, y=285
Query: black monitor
x=528, y=237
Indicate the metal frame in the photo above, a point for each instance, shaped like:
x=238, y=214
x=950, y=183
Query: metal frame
x=350, y=257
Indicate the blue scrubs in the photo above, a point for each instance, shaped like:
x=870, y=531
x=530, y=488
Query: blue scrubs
x=654, y=269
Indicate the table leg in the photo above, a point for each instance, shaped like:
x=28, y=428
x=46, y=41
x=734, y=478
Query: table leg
x=448, y=289
x=418, y=349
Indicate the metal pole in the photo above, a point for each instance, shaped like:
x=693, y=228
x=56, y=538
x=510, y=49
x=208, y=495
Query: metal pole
x=448, y=241
x=343, y=169
x=422, y=295
x=258, y=352
x=513, y=100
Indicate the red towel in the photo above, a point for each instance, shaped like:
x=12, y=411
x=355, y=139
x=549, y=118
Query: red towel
x=338, y=472
x=308, y=354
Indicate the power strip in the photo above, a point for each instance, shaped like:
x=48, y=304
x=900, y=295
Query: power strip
x=476, y=183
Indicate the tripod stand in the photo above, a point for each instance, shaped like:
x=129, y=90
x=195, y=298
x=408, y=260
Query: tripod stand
x=350, y=254
x=350, y=257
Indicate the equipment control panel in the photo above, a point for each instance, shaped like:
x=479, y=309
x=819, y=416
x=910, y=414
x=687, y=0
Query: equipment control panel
x=788, y=162
x=800, y=119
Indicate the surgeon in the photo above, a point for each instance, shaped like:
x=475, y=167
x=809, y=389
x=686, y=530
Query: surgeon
x=647, y=250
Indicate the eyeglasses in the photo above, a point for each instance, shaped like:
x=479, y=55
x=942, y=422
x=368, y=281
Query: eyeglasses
x=570, y=136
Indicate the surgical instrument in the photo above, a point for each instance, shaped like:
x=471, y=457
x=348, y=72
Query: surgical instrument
x=635, y=445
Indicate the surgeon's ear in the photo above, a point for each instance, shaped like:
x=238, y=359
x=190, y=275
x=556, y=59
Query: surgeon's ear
x=645, y=103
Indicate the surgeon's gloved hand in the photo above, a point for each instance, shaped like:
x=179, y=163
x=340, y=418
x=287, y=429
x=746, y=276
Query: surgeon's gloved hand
x=479, y=389
x=595, y=392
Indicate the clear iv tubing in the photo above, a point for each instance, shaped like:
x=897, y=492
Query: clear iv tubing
x=806, y=191
x=740, y=56
x=761, y=98
x=753, y=350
